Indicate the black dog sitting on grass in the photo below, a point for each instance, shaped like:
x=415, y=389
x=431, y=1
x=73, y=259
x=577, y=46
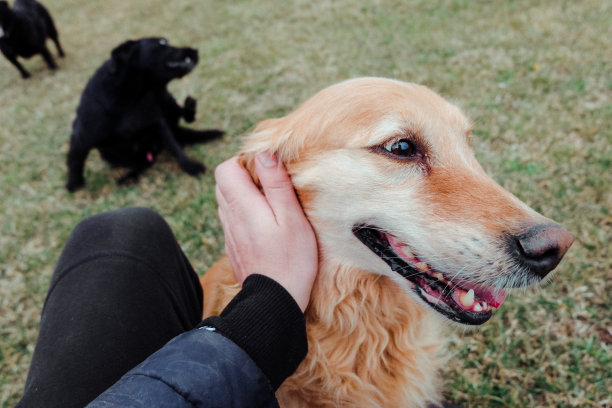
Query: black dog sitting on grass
x=24, y=30
x=127, y=113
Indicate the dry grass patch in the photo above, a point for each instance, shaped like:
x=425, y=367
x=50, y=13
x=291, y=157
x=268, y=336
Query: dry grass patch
x=535, y=76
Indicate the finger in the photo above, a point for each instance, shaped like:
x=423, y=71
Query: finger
x=233, y=222
x=230, y=245
x=277, y=186
x=221, y=204
x=222, y=208
x=223, y=214
x=235, y=183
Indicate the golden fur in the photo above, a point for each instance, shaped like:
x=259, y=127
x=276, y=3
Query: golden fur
x=371, y=343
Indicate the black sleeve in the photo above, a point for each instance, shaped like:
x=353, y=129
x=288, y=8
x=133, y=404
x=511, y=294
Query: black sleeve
x=265, y=321
x=199, y=368
x=236, y=359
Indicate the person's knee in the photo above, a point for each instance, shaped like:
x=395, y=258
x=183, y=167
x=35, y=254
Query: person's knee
x=134, y=242
x=122, y=229
x=139, y=220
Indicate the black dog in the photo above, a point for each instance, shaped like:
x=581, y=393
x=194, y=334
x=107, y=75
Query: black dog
x=127, y=113
x=24, y=30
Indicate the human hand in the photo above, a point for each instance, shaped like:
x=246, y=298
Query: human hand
x=266, y=233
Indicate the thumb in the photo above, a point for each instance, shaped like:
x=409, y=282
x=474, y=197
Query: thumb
x=277, y=186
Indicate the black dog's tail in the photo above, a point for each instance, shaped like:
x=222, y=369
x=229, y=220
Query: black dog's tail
x=188, y=136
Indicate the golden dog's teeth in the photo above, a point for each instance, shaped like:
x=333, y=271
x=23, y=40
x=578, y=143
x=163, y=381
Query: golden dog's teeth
x=477, y=307
x=406, y=251
x=422, y=266
x=439, y=276
x=467, y=298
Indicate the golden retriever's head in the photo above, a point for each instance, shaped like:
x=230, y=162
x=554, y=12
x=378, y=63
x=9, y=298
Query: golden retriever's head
x=387, y=178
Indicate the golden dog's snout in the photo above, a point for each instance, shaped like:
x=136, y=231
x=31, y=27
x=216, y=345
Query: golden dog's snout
x=542, y=247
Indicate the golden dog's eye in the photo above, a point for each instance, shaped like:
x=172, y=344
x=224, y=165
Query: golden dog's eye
x=401, y=148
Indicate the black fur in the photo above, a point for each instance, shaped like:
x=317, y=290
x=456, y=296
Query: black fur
x=127, y=113
x=24, y=30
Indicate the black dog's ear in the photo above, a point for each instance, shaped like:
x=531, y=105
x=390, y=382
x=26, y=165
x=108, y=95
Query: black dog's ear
x=121, y=54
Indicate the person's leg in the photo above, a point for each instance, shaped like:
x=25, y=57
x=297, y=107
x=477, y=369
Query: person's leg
x=121, y=289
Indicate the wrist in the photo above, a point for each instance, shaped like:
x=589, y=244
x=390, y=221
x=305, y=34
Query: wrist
x=266, y=322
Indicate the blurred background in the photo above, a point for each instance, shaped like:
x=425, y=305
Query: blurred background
x=535, y=76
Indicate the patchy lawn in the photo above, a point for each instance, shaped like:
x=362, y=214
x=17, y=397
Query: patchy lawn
x=536, y=77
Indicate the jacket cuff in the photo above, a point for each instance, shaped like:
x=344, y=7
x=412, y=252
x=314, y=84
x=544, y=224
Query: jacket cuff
x=266, y=322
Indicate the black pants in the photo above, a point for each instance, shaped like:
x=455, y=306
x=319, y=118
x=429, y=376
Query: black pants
x=121, y=289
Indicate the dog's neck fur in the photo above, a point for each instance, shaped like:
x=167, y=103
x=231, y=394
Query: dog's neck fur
x=346, y=336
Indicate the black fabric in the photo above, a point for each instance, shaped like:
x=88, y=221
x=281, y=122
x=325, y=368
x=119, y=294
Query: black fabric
x=266, y=322
x=200, y=368
x=121, y=289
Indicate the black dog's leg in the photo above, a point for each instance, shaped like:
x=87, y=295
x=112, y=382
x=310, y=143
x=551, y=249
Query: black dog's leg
x=13, y=59
x=48, y=58
x=132, y=175
x=76, y=163
x=189, y=136
x=190, y=166
x=172, y=111
x=189, y=109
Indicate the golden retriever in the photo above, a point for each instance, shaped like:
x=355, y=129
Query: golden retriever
x=409, y=227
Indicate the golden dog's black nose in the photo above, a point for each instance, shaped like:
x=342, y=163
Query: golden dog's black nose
x=542, y=247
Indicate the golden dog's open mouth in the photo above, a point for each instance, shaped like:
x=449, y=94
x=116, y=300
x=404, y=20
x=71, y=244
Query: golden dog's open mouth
x=460, y=301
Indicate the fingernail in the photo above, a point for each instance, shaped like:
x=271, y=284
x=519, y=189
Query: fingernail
x=267, y=159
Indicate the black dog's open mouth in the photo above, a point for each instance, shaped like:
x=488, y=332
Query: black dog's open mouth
x=187, y=63
x=459, y=301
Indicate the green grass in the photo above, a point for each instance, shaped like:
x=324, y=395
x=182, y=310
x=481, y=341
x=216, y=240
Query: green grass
x=536, y=77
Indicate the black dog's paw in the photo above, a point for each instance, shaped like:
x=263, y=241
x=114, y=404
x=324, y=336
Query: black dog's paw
x=131, y=176
x=74, y=184
x=127, y=179
x=192, y=167
x=189, y=109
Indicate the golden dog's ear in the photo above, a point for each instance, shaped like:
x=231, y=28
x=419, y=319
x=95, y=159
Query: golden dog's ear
x=265, y=137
